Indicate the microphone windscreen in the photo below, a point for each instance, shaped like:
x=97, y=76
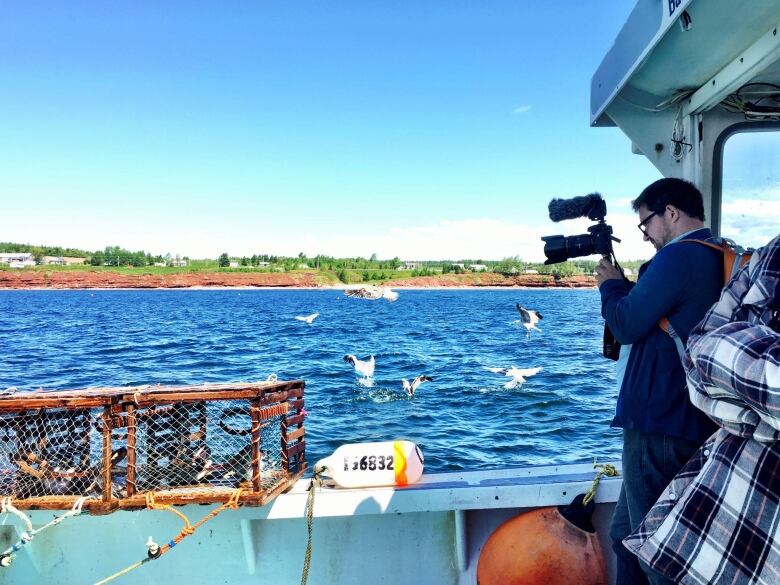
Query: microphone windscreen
x=562, y=209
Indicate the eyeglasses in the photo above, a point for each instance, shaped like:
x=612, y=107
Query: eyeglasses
x=643, y=224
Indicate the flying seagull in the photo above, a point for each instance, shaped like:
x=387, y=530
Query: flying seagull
x=530, y=318
x=518, y=375
x=410, y=388
x=365, y=367
x=308, y=319
x=372, y=293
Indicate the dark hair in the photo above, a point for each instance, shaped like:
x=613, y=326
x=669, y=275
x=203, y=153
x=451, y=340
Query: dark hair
x=682, y=194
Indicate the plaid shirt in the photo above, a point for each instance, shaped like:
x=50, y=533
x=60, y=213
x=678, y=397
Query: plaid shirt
x=719, y=519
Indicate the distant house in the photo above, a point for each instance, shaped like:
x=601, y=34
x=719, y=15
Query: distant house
x=303, y=266
x=179, y=263
x=459, y=265
x=17, y=259
x=62, y=260
x=263, y=264
x=233, y=264
x=530, y=271
x=478, y=267
x=160, y=264
x=407, y=265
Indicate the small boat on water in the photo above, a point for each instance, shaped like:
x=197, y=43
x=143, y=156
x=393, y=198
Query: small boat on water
x=680, y=88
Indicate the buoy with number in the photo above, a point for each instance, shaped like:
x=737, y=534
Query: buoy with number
x=386, y=463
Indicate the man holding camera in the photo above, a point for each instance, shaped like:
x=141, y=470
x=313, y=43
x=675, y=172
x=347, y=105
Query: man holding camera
x=661, y=428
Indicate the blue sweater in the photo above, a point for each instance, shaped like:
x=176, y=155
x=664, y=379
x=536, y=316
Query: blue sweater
x=681, y=282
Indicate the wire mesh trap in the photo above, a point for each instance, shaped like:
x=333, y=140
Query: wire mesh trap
x=181, y=444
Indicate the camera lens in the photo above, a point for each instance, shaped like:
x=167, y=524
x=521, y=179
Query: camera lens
x=561, y=248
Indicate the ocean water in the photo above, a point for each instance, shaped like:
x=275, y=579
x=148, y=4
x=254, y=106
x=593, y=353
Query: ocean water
x=464, y=419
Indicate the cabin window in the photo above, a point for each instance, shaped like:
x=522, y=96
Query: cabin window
x=750, y=191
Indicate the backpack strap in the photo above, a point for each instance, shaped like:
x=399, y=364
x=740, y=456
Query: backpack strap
x=721, y=245
x=664, y=324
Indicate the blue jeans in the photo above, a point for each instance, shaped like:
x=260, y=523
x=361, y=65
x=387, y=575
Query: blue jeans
x=650, y=462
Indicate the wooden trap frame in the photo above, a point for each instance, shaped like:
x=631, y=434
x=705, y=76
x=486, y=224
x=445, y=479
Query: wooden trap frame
x=175, y=444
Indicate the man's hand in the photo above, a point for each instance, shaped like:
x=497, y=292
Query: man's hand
x=606, y=271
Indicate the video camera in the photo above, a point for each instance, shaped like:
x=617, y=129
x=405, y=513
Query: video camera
x=597, y=241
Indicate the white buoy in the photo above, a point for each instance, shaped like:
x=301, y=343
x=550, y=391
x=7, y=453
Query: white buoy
x=387, y=463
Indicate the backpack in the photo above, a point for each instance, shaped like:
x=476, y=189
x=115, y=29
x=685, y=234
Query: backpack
x=734, y=258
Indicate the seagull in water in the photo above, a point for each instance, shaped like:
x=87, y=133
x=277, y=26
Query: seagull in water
x=518, y=375
x=308, y=319
x=410, y=388
x=372, y=293
x=364, y=367
x=530, y=318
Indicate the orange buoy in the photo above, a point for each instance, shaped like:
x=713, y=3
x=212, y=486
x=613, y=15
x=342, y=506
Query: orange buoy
x=541, y=547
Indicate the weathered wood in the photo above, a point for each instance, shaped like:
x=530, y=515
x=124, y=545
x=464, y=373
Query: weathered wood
x=295, y=420
x=242, y=394
x=107, y=454
x=295, y=449
x=92, y=505
x=98, y=397
x=131, y=451
x=293, y=436
x=256, y=445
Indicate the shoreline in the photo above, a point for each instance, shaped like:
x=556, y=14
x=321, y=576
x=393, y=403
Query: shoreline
x=289, y=288
x=309, y=280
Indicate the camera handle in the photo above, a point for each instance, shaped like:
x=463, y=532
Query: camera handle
x=613, y=260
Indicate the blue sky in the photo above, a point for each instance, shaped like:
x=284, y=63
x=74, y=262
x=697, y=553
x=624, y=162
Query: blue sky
x=344, y=128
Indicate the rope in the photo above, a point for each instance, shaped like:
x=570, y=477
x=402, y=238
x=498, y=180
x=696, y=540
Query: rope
x=602, y=470
x=7, y=556
x=316, y=481
x=152, y=505
x=155, y=551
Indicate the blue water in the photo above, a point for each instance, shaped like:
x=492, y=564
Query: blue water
x=464, y=419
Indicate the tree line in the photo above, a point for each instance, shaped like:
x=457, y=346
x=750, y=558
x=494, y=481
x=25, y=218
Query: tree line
x=370, y=268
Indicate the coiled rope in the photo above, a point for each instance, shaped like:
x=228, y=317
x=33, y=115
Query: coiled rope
x=603, y=470
x=7, y=556
x=154, y=550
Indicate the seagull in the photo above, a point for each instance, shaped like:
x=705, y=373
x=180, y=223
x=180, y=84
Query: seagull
x=410, y=388
x=372, y=293
x=518, y=375
x=530, y=318
x=308, y=319
x=365, y=367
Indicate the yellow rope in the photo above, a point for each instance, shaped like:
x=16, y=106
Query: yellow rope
x=602, y=470
x=152, y=505
x=188, y=529
x=123, y=571
x=315, y=482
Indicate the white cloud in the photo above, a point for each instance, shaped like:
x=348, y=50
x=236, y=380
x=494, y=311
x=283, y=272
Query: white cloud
x=751, y=222
x=521, y=109
x=478, y=238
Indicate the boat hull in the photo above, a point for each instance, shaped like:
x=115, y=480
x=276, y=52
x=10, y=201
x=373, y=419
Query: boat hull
x=431, y=532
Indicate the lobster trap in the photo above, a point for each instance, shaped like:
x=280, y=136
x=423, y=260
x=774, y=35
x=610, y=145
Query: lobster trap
x=177, y=444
